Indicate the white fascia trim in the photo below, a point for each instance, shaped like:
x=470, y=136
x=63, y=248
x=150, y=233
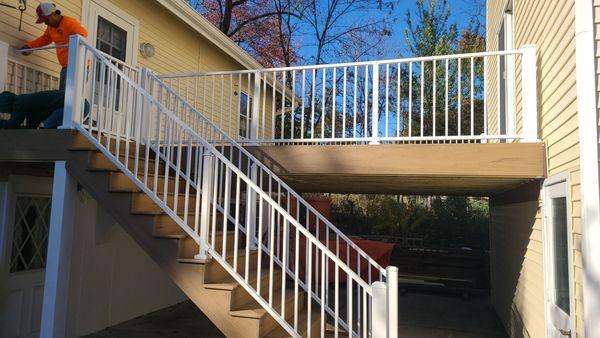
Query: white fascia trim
x=588, y=145
x=195, y=20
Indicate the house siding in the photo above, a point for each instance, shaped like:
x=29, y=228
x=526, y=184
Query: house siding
x=98, y=265
x=179, y=49
x=558, y=128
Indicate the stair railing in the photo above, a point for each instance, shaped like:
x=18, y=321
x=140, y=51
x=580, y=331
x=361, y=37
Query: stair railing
x=192, y=177
x=294, y=204
x=305, y=214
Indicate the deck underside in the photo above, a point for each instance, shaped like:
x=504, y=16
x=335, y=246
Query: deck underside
x=439, y=169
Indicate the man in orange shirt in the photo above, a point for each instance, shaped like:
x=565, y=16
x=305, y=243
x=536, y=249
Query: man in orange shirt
x=59, y=28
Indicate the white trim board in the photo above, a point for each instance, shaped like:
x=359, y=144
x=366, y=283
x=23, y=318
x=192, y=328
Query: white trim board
x=558, y=181
x=3, y=64
x=588, y=147
x=120, y=15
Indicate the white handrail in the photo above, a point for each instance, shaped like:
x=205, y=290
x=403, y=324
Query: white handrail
x=271, y=174
x=419, y=99
x=346, y=64
x=125, y=115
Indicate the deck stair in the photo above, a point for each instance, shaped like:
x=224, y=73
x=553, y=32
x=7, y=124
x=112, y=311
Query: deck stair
x=250, y=252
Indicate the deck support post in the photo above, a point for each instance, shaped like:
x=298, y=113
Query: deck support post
x=60, y=245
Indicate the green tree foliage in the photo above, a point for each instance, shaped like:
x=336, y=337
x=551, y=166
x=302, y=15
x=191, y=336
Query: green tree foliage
x=430, y=34
x=438, y=221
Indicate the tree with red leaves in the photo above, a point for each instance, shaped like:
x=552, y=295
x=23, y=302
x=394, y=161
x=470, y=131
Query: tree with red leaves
x=264, y=28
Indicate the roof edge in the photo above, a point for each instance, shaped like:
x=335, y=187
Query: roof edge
x=200, y=24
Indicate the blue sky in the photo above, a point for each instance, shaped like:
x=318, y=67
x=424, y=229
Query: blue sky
x=460, y=15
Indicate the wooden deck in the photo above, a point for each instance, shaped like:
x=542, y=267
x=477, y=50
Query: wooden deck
x=444, y=169
x=440, y=169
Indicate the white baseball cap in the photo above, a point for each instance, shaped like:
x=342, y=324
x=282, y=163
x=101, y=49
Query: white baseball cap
x=44, y=10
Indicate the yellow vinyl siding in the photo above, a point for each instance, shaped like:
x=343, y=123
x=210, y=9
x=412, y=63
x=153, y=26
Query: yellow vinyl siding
x=179, y=49
x=558, y=128
x=9, y=32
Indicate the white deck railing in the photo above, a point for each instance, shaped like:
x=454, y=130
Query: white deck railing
x=24, y=78
x=152, y=137
x=424, y=99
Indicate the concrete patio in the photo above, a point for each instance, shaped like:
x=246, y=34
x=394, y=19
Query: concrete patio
x=422, y=315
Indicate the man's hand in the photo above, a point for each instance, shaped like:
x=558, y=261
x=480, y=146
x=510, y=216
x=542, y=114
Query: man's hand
x=25, y=47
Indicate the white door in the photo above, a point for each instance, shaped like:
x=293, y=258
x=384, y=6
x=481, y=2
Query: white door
x=114, y=32
x=557, y=249
x=26, y=203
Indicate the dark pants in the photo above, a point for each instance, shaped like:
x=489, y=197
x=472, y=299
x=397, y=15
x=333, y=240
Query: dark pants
x=63, y=79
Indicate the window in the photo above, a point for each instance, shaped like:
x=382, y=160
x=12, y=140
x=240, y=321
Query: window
x=558, y=259
x=111, y=39
x=245, y=109
x=30, y=233
x=561, y=253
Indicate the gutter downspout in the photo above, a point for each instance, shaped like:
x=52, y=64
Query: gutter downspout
x=588, y=137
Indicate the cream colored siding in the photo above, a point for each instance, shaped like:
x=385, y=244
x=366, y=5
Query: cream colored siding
x=9, y=32
x=179, y=49
x=550, y=25
x=517, y=267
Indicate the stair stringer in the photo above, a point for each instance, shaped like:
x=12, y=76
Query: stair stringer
x=215, y=304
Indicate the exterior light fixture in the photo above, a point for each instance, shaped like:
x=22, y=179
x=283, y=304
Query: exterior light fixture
x=147, y=49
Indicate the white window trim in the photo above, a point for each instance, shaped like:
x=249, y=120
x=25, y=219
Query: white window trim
x=558, y=179
x=247, y=115
x=115, y=10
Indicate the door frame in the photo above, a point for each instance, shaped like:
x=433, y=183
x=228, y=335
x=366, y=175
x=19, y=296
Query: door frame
x=560, y=181
x=15, y=185
x=116, y=16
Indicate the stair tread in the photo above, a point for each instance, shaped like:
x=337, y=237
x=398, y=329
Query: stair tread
x=252, y=279
x=280, y=332
x=193, y=261
x=254, y=310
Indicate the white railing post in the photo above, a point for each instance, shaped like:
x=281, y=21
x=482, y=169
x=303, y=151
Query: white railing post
x=378, y=310
x=251, y=200
x=255, y=110
x=3, y=65
x=529, y=93
x=392, y=301
x=75, y=82
x=375, y=119
x=207, y=189
x=145, y=114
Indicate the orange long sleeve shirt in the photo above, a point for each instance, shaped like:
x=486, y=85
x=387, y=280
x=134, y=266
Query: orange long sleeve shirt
x=60, y=36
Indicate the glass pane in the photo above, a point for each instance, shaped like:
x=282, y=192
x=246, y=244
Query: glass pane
x=244, y=110
x=111, y=39
x=30, y=233
x=561, y=253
